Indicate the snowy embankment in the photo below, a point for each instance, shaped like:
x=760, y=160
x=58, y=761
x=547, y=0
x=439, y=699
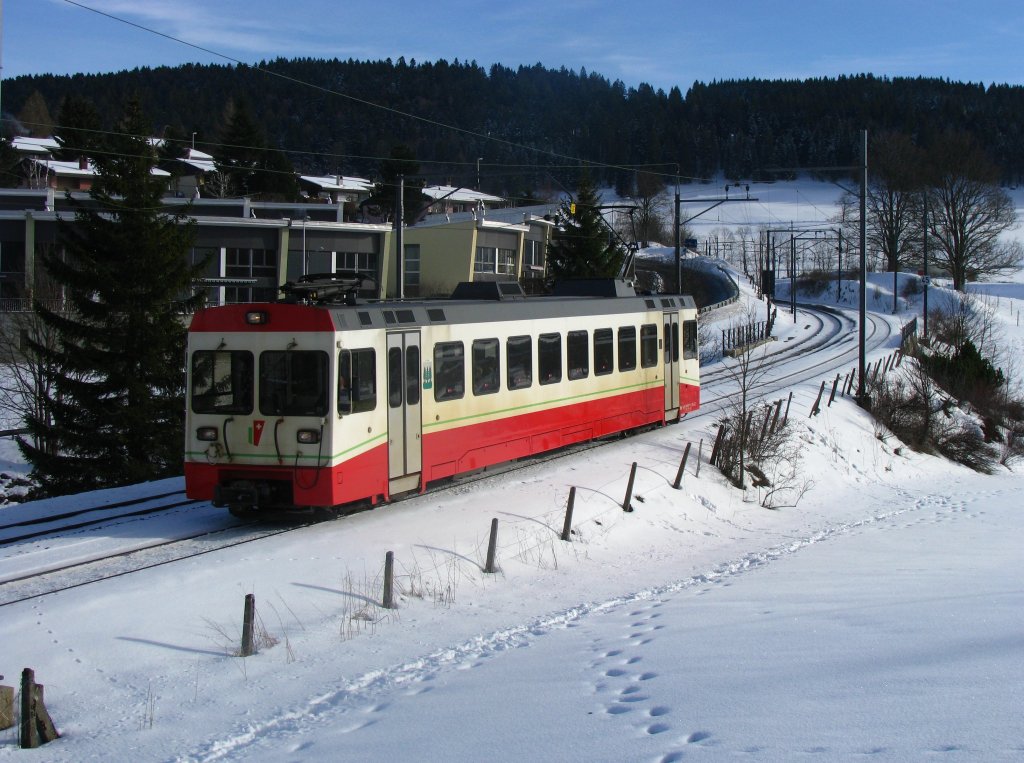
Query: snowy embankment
x=880, y=616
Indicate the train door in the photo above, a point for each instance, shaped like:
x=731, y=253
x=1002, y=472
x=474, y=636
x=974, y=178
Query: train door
x=671, y=366
x=404, y=422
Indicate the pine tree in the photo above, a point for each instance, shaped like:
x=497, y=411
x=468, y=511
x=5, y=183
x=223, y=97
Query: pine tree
x=582, y=246
x=116, y=408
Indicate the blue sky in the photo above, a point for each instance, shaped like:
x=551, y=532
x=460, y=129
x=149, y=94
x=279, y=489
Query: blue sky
x=661, y=42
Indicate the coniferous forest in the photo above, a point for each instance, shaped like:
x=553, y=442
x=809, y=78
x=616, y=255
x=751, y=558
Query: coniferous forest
x=531, y=128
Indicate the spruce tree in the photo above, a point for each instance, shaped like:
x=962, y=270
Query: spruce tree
x=116, y=403
x=582, y=245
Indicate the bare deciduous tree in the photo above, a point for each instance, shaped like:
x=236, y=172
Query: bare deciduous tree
x=968, y=213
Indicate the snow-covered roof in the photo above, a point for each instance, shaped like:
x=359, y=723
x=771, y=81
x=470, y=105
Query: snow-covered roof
x=74, y=169
x=459, y=195
x=338, y=182
x=34, y=145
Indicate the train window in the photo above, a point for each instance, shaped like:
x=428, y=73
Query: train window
x=519, y=357
x=293, y=383
x=690, y=341
x=577, y=355
x=449, y=371
x=394, y=377
x=357, y=381
x=671, y=341
x=604, y=352
x=648, y=345
x=486, y=367
x=222, y=381
x=627, y=348
x=412, y=375
x=549, y=358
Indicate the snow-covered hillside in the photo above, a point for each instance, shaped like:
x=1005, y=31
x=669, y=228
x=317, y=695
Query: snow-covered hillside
x=881, y=616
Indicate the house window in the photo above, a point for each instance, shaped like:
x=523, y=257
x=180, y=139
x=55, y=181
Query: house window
x=507, y=261
x=411, y=270
x=486, y=259
x=364, y=262
x=533, y=259
x=260, y=264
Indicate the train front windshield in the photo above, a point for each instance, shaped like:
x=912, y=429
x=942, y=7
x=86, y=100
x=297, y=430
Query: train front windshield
x=293, y=383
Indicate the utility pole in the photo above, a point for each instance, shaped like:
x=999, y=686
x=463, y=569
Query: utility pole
x=863, y=298
x=399, y=244
x=680, y=223
x=927, y=278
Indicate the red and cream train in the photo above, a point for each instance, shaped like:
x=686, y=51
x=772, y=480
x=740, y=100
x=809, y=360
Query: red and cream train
x=314, y=404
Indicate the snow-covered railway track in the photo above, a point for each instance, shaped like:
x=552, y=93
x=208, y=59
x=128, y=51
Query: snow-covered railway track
x=78, y=519
x=64, y=550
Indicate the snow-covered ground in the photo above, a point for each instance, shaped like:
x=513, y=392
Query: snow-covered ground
x=882, y=615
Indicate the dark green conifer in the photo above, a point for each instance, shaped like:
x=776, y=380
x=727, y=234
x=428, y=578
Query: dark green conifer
x=582, y=246
x=116, y=406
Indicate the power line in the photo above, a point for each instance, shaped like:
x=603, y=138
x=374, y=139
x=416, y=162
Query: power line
x=398, y=112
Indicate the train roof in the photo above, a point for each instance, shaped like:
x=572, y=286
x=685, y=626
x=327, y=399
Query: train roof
x=481, y=303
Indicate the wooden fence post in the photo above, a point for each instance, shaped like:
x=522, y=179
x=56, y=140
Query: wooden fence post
x=814, y=408
x=778, y=411
x=835, y=385
x=248, y=622
x=682, y=468
x=36, y=726
x=718, y=442
x=785, y=419
x=567, y=526
x=389, y=580
x=626, y=505
x=492, y=547
x=700, y=452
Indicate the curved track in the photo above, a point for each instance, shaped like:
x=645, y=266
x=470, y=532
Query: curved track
x=68, y=549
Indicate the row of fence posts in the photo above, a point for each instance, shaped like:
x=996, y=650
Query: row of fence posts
x=771, y=422
x=248, y=647
x=36, y=727
x=773, y=414
x=882, y=366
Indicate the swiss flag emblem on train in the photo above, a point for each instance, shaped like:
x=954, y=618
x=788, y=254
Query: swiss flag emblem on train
x=256, y=431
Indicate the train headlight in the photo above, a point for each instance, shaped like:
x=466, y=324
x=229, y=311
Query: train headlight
x=256, y=317
x=207, y=434
x=308, y=436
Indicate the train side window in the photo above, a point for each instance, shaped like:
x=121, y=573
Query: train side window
x=577, y=355
x=648, y=345
x=486, y=367
x=394, y=377
x=671, y=342
x=549, y=358
x=449, y=371
x=604, y=352
x=627, y=348
x=357, y=381
x=222, y=381
x=293, y=383
x=519, y=358
x=690, y=341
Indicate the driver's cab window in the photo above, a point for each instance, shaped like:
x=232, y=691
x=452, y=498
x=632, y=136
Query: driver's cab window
x=357, y=381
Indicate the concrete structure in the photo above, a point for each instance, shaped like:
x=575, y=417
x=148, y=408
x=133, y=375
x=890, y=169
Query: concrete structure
x=251, y=248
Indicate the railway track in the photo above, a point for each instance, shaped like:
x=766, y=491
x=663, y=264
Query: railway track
x=45, y=554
